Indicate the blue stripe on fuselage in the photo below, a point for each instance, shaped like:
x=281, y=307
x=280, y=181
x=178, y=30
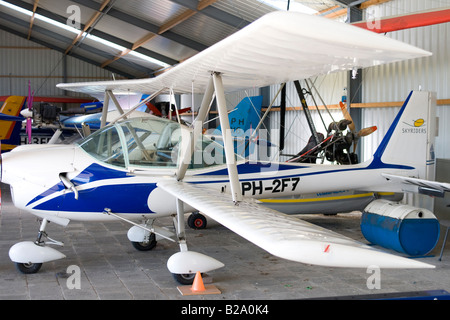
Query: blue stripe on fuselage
x=94, y=172
x=134, y=200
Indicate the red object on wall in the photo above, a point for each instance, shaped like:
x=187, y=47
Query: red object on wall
x=414, y=20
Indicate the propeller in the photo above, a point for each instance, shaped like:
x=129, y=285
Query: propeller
x=356, y=135
x=347, y=116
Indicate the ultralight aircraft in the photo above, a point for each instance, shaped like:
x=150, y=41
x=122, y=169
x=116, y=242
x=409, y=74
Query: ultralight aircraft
x=140, y=169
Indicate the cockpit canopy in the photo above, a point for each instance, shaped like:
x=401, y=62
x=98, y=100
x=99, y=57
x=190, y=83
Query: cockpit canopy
x=149, y=142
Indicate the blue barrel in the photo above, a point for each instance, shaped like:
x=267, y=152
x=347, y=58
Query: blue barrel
x=403, y=228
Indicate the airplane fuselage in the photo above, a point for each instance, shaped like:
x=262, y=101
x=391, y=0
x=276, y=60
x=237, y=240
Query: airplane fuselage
x=37, y=187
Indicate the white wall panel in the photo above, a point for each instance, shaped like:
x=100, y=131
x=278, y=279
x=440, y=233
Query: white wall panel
x=442, y=141
x=22, y=61
x=380, y=117
x=393, y=82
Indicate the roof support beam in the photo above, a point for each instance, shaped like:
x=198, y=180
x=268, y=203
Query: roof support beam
x=362, y=4
x=138, y=68
x=176, y=20
x=32, y=18
x=202, y=4
x=74, y=55
x=145, y=25
x=64, y=39
x=213, y=12
x=165, y=27
x=91, y=21
x=369, y=3
x=95, y=6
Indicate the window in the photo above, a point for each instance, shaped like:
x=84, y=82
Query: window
x=105, y=145
x=149, y=142
x=152, y=142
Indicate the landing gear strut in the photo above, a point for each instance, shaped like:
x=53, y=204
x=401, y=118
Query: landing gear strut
x=29, y=256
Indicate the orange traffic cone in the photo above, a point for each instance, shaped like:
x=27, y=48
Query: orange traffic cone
x=198, y=285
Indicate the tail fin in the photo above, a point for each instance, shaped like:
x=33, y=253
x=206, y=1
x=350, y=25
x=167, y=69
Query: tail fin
x=10, y=128
x=410, y=139
x=246, y=115
x=243, y=121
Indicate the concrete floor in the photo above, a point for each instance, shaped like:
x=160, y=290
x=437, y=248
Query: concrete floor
x=110, y=268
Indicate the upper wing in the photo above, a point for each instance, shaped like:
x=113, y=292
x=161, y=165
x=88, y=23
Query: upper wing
x=284, y=236
x=277, y=48
x=420, y=183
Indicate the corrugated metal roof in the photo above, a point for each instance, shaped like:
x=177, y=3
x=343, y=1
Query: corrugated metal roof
x=195, y=27
x=132, y=23
x=249, y=10
x=155, y=11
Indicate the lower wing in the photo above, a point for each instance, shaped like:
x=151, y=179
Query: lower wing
x=282, y=235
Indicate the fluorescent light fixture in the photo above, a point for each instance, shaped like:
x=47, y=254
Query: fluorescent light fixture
x=293, y=6
x=149, y=59
x=76, y=31
x=132, y=53
x=103, y=41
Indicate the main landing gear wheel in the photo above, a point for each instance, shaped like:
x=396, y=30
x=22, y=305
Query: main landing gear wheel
x=196, y=221
x=28, y=268
x=145, y=245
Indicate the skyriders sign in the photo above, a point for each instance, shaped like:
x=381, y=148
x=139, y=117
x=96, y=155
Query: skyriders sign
x=417, y=127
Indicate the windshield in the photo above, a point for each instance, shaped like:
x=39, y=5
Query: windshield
x=149, y=142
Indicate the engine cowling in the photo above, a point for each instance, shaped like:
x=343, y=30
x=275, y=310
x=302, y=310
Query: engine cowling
x=406, y=229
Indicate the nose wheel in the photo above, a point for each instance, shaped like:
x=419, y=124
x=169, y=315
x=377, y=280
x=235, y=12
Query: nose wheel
x=28, y=268
x=28, y=256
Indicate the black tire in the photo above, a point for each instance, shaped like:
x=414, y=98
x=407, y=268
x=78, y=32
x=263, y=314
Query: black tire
x=197, y=221
x=28, y=268
x=146, y=245
x=184, y=279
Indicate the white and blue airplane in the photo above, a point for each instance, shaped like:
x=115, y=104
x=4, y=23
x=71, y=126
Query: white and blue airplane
x=141, y=169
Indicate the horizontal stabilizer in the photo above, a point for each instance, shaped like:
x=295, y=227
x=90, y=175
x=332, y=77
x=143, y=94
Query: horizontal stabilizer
x=282, y=235
x=421, y=183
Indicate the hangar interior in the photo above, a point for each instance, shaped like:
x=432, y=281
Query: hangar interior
x=47, y=42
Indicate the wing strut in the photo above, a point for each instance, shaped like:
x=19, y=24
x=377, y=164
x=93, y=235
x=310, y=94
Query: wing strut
x=215, y=85
x=198, y=124
x=227, y=139
x=142, y=102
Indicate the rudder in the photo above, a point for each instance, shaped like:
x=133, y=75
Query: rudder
x=410, y=139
